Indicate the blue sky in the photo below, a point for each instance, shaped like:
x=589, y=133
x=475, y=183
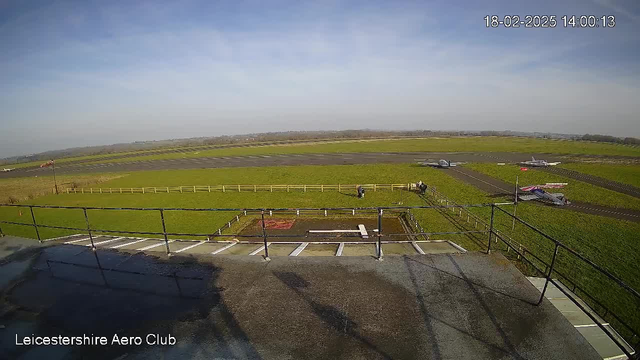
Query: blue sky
x=77, y=73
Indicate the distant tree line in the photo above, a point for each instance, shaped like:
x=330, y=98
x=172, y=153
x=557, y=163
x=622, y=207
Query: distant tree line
x=611, y=139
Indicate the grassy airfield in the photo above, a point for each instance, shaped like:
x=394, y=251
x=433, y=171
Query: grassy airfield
x=609, y=242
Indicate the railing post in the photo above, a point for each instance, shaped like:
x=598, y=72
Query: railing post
x=86, y=219
x=164, y=231
x=379, y=234
x=493, y=208
x=264, y=237
x=35, y=225
x=546, y=282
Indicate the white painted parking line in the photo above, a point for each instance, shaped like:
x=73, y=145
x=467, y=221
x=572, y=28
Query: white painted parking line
x=155, y=245
x=222, y=249
x=299, y=249
x=255, y=252
x=418, y=248
x=190, y=246
x=129, y=243
x=75, y=241
x=340, y=249
x=61, y=237
x=363, y=231
x=107, y=241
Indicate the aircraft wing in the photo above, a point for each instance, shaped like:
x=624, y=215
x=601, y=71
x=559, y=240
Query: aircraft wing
x=528, y=197
x=429, y=164
x=554, y=163
x=553, y=185
x=558, y=195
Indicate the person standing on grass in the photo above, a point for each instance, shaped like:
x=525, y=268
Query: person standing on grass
x=360, y=192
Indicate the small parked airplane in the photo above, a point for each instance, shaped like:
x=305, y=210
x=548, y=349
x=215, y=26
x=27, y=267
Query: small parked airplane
x=440, y=164
x=536, y=193
x=534, y=162
x=7, y=170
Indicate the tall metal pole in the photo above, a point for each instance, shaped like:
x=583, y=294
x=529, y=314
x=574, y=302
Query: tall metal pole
x=35, y=225
x=164, y=231
x=493, y=208
x=379, y=234
x=264, y=237
x=86, y=219
x=54, y=176
x=548, y=276
x=515, y=207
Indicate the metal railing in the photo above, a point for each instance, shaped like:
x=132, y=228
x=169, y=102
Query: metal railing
x=547, y=272
x=237, y=188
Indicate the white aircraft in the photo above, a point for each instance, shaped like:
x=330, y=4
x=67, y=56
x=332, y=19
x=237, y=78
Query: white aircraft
x=7, y=170
x=534, y=162
x=536, y=193
x=441, y=164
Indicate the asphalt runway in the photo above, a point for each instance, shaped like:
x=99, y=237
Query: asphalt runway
x=279, y=160
x=495, y=186
x=595, y=180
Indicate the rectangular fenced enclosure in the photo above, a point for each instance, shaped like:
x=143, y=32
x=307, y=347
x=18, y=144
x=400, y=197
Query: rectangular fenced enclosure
x=388, y=230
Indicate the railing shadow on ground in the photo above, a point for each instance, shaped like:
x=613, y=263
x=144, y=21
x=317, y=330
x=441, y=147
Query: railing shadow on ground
x=546, y=268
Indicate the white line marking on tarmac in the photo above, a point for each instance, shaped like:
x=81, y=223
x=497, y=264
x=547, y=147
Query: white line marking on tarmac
x=61, y=237
x=299, y=249
x=190, y=246
x=155, y=245
x=363, y=231
x=129, y=243
x=256, y=251
x=106, y=241
x=418, y=248
x=75, y=241
x=340, y=249
x=222, y=249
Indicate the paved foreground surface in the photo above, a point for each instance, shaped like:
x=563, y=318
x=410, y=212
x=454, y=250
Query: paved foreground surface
x=465, y=306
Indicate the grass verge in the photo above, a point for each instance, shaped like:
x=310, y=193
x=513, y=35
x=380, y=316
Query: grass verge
x=576, y=190
x=626, y=174
x=460, y=144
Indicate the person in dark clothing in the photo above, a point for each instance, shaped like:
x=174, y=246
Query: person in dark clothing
x=360, y=192
x=423, y=188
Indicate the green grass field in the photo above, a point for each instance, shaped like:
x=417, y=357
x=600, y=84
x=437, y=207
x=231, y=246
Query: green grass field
x=626, y=174
x=488, y=144
x=576, y=190
x=600, y=239
x=475, y=144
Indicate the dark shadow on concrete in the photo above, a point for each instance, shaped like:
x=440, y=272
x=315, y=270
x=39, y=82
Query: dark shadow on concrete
x=331, y=315
x=427, y=317
x=106, y=293
x=492, y=317
x=407, y=260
